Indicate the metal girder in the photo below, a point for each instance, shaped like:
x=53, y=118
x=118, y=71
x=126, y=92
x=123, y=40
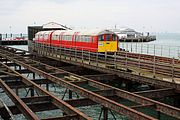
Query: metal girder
x=10, y=78
x=3, y=60
x=20, y=84
x=127, y=75
x=164, y=108
x=42, y=103
x=35, y=107
x=101, y=77
x=54, y=100
x=24, y=71
x=161, y=107
x=71, y=68
x=159, y=93
x=119, y=108
x=143, y=106
x=167, y=109
x=136, y=78
x=5, y=113
x=20, y=104
x=66, y=117
x=11, y=64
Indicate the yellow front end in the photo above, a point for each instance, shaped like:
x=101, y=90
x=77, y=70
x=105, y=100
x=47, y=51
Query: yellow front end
x=107, y=46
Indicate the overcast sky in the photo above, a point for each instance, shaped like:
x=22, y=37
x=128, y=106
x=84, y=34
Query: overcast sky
x=142, y=15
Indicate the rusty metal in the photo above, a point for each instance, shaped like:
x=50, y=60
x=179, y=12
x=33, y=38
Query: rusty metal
x=120, y=73
x=119, y=108
x=159, y=93
x=104, y=77
x=20, y=104
x=160, y=107
x=5, y=112
x=26, y=111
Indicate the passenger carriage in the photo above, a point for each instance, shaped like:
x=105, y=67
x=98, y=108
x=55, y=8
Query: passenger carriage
x=88, y=40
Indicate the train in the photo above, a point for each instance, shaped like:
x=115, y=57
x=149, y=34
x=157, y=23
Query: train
x=98, y=40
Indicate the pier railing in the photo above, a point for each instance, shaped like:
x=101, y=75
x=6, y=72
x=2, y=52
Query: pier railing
x=152, y=49
x=164, y=68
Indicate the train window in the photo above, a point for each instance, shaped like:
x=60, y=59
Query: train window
x=114, y=37
x=70, y=38
x=92, y=39
x=41, y=36
x=108, y=37
x=101, y=38
x=46, y=36
x=82, y=38
x=62, y=37
x=55, y=37
x=36, y=36
x=77, y=38
x=88, y=38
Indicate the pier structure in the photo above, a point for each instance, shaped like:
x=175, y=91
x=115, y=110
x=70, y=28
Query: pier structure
x=61, y=67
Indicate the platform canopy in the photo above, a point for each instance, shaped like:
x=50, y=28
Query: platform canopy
x=54, y=25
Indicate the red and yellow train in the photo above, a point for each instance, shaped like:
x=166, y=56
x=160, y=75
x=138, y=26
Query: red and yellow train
x=89, y=40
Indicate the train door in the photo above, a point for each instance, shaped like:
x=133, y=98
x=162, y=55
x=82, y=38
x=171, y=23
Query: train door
x=111, y=43
x=101, y=43
x=114, y=43
x=107, y=43
x=74, y=38
x=61, y=43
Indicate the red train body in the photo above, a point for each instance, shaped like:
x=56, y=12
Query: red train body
x=88, y=40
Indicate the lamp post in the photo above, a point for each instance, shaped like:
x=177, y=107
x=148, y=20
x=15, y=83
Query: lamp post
x=10, y=27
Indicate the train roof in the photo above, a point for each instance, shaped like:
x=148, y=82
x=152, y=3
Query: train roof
x=92, y=32
x=44, y=32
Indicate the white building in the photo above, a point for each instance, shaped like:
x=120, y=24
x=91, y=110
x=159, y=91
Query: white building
x=124, y=33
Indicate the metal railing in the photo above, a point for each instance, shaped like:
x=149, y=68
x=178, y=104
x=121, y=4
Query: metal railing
x=152, y=49
x=121, y=60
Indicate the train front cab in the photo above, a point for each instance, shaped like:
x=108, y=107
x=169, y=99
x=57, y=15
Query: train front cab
x=107, y=43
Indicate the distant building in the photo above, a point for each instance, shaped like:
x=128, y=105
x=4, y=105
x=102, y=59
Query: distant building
x=127, y=33
x=32, y=30
x=130, y=35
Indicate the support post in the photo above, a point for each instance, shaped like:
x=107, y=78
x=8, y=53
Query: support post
x=70, y=94
x=34, y=76
x=173, y=70
x=139, y=64
x=96, y=58
x=158, y=115
x=17, y=92
x=115, y=60
x=105, y=113
x=47, y=86
x=31, y=92
x=126, y=62
x=105, y=58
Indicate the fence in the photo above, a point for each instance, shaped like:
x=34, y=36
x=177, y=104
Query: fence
x=152, y=49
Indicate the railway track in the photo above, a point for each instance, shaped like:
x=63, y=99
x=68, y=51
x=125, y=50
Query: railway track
x=23, y=58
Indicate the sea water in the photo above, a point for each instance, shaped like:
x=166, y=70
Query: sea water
x=167, y=44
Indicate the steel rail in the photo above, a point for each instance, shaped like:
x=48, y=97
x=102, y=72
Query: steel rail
x=167, y=109
x=19, y=103
x=172, y=111
x=56, y=101
x=119, y=108
x=126, y=75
